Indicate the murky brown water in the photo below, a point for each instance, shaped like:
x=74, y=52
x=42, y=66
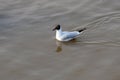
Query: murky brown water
x=28, y=50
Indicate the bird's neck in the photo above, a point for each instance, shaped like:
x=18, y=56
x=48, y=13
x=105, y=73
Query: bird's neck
x=58, y=32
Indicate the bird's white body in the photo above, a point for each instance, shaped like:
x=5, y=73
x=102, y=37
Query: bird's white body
x=65, y=35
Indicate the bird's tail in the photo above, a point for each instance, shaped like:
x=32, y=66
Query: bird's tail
x=82, y=29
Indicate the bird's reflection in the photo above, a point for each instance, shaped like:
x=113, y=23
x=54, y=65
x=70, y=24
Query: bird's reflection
x=59, y=44
x=59, y=49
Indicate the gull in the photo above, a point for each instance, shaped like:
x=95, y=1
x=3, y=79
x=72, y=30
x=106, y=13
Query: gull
x=66, y=35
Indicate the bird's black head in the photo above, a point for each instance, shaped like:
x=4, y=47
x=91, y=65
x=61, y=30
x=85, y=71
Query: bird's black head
x=57, y=27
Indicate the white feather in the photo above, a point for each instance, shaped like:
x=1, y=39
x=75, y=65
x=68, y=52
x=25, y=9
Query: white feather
x=65, y=35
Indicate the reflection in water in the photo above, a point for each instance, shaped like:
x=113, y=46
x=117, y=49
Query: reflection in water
x=59, y=49
x=59, y=44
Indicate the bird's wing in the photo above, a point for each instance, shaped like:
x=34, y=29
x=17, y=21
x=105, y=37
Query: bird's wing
x=70, y=35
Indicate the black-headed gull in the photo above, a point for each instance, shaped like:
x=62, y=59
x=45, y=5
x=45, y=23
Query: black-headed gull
x=66, y=35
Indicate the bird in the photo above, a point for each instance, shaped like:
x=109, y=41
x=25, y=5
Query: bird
x=65, y=36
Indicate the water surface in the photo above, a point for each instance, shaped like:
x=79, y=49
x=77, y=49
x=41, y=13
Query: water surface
x=29, y=51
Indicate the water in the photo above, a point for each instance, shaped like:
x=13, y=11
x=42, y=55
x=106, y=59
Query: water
x=29, y=51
